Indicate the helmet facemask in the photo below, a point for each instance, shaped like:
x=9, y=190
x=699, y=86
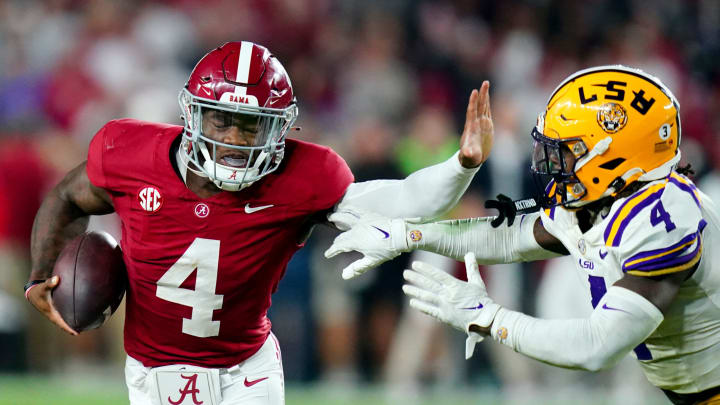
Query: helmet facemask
x=552, y=166
x=243, y=165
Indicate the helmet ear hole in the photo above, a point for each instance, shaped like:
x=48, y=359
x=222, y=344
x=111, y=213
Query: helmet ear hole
x=595, y=180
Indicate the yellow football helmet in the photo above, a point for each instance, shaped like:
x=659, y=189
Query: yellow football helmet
x=604, y=128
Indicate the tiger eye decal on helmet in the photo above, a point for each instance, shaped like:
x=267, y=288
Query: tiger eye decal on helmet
x=606, y=114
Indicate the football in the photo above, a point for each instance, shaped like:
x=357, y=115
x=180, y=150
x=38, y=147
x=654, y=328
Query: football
x=92, y=280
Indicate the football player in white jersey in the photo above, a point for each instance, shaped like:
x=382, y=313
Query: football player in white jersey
x=643, y=236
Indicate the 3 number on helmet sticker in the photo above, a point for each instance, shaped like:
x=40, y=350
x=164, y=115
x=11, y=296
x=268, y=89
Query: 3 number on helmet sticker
x=203, y=255
x=664, y=132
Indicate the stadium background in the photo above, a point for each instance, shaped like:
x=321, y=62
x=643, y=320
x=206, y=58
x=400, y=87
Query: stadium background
x=385, y=83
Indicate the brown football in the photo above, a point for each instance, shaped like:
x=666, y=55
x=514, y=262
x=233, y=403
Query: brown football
x=93, y=278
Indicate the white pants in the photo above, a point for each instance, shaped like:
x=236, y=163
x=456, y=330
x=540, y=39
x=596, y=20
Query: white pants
x=256, y=381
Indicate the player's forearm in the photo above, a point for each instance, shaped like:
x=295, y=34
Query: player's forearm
x=504, y=244
x=621, y=321
x=424, y=194
x=64, y=214
x=57, y=221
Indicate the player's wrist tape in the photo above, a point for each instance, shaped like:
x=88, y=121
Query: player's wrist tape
x=399, y=235
x=30, y=284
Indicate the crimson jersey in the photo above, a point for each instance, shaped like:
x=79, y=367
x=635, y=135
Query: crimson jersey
x=201, y=271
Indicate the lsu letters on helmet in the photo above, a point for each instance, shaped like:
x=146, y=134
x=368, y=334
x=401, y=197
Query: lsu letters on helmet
x=240, y=78
x=616, y=124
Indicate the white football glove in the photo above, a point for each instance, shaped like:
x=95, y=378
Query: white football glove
x=378, y=238
x=455, y=302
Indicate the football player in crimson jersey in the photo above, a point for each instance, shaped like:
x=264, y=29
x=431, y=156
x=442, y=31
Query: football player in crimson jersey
x=211, y=214
x=643, y=236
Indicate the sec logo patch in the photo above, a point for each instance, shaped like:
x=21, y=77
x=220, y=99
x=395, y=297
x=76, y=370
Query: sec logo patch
x=150, y=199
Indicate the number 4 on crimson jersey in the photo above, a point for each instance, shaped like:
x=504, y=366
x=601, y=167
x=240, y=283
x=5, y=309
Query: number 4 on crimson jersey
x=202, y=271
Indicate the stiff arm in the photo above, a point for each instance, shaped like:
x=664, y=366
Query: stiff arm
x=409, y=198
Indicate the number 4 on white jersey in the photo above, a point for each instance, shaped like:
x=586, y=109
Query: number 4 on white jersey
x=203, y=255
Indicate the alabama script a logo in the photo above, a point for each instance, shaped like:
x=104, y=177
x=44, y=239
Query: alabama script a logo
x=190, y=388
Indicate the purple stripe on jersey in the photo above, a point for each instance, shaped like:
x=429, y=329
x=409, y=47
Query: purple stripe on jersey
x=666, y=264
x=633, y=212
x=617, y=213
x=549, y=187
x=686, y=188
x=597, y=289
x=702, y=225
x=663, y=252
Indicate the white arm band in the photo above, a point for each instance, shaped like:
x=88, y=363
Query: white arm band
x=504, y=244
x=622, y=320
x=424, y=194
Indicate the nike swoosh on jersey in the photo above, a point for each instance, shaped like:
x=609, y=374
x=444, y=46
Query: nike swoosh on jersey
x=479, y=306
x=253, y=382
x=605, y=306
x=387, y=235
x=250, y=210
x=603, y=254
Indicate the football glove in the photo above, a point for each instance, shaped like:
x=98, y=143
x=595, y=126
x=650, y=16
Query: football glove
x=455, y=302
x=379, y=239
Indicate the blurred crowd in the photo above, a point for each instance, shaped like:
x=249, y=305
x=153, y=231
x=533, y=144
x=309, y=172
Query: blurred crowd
x=385, y=83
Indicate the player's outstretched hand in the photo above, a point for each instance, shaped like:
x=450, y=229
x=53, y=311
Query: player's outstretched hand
x=452, y=301
x=378, y=238
x=477, y=137
x=40, y=297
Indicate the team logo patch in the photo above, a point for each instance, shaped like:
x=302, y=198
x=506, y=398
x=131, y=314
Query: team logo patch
x=582, y=246
x=415, y=235
x=184, y=387
x=502, y=333
x=202, y=210
x=150, y=199
x=611, y=117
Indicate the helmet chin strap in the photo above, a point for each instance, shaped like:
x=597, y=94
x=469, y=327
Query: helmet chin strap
x=224, y=172
x=657, y=173
x=600, y=148
x=184, y=165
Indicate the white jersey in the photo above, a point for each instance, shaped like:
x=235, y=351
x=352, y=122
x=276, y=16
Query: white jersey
x=668, y=226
